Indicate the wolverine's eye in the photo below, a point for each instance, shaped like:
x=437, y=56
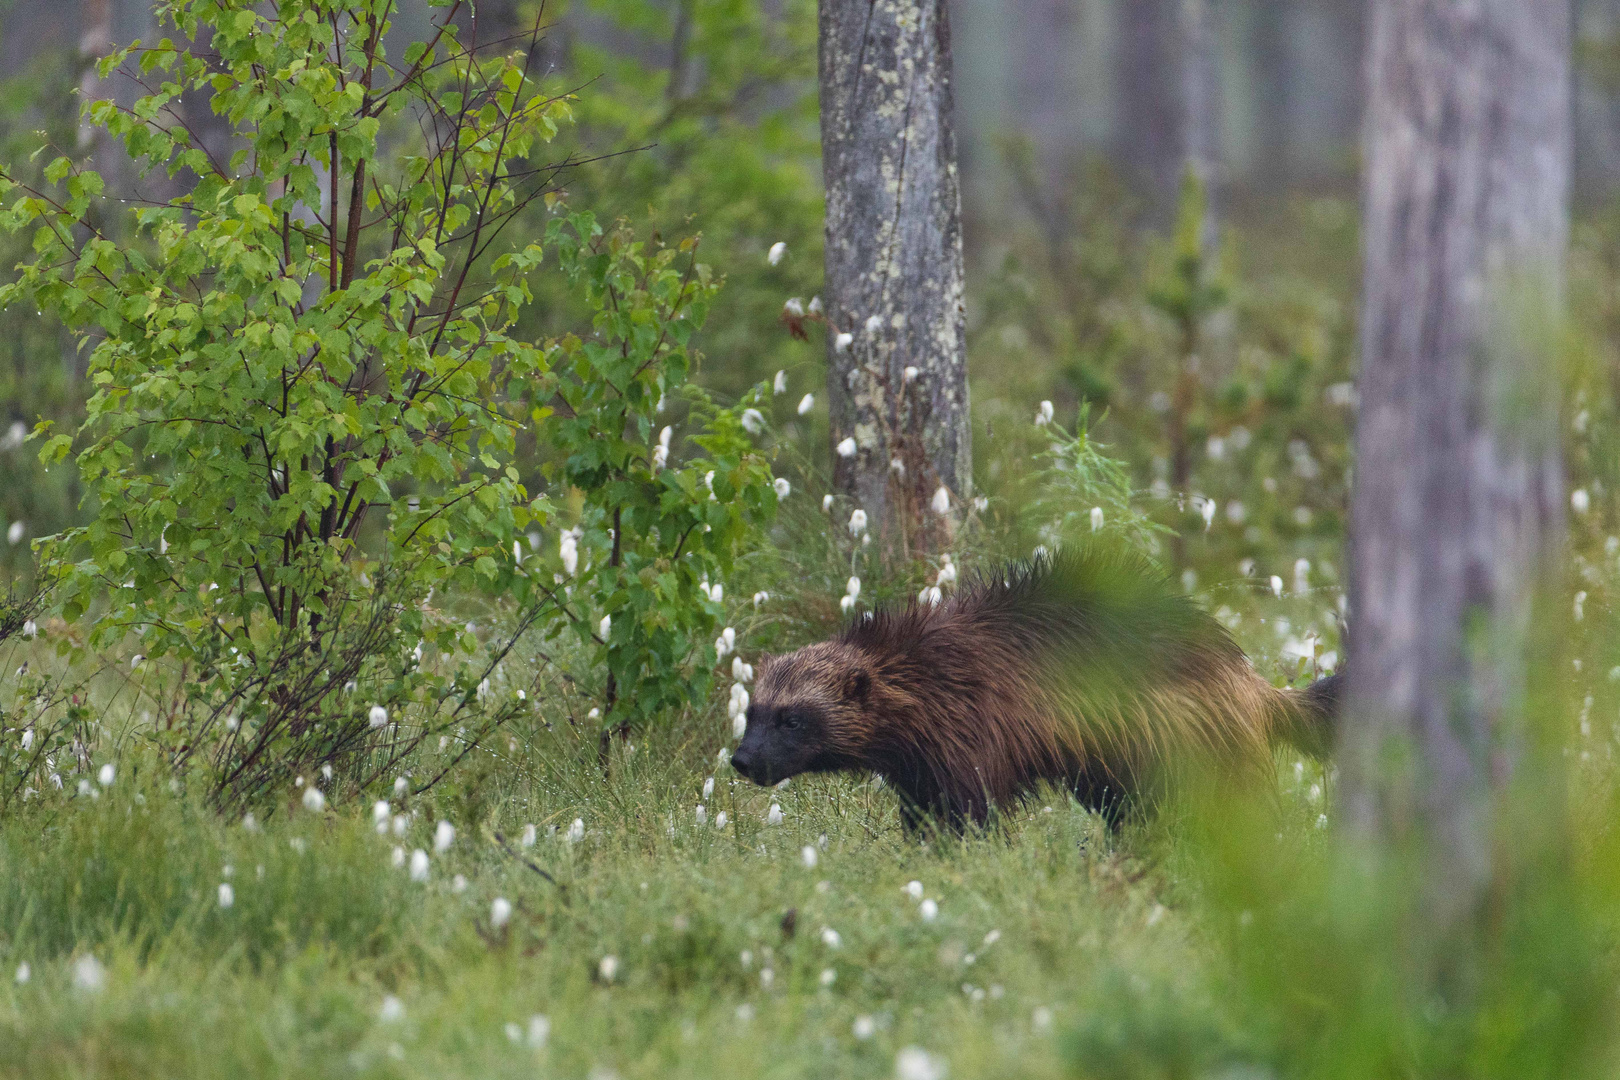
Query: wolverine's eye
x=791, y=722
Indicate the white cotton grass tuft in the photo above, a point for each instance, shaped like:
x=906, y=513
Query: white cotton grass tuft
x=14, y=534
x=913, y=889
x=864, y=1027
x=458, y=884
x=1096, y=518
x=106, y=774
x=909, y=373
x=419, y=865
x=720, y=820
x=874, y=323
x=708, y=787
x=828, y=976
x=794, y=307
x=392, y=1010
x=739, y=726
x=89, y=974
x=539, y=1031
x=568, y=548
x=857, y=522
x=529, y=835
x=729, y=635
x=941, y=503
x=778, y=250
x=380, y=814
x=931, y=595
x=928, y=909
x=807, y=403
x=826, y=503
x=807, y=855
x=842, y=342
x=500, y=912
x=608, y=968
x=815, y=307
x=702, y=815
x=753, y=421
x=831, y=937
x=760, y=598
x=915, y=1063
x=1580, y=501
x=947, y=570
x=1044, y=414
x=779, y=385
x=227, y=895
x=853, y=587
x=846, y=447
x=397, y=859
x=605, y=627
x=24, y=973
x=314, y=801
x=400, y=784
x=740, y=671
x=576, y=831
x=444, y=834
x=774, y=815
x=1276, y=586
x=783, y=488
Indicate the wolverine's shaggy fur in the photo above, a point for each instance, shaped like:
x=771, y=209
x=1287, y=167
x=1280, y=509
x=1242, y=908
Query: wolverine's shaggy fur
x=1088, y=670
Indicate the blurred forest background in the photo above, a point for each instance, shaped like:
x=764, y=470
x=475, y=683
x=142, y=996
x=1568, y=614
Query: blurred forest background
x=1076, y=121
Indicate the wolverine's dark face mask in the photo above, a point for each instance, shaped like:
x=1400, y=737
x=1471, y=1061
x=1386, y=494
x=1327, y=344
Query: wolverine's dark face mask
x=780, y=741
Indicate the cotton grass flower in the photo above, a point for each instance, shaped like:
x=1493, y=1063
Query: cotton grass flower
x=569, y=549
x=608, y=968
x=1276, y=586
x=779, y=386
x=500, y=912
x=941, y=503
x=702, y=815
x=605, y=627
x=841, y=344
x=720, y=820
x=444, y=834
x=774, y=815
x=913, y=889
x=864, y=1027
x=740, y=671
x=419, y=865
x=826, y=503
x=1580, y=501
x=539, y=1031
x=760, y=598
x=929, y=910
x=931, y=596
x=1044, y=414
x=314, y=801
x=24, y=973
x=398, y=857
x=380, y=813
x=378, y=717
x=1302, y=576
x=807, y=403
x=783, y=488
x=846, y=447
x=227, y=895
x=830, y=937
x=105, y=775
x=794, y=307
x=14, y=534
x=88, y=974
x=857, y=522
x=915, y=1063
x=753, y=421
x=392, y=1010
x=778, y=250
x=528, y=837
x=576, y=831
x=828, y=976
x=947, y=571
x=874, y=323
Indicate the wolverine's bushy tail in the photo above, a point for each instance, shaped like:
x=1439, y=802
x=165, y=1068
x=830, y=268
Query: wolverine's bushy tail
x=1313, y=712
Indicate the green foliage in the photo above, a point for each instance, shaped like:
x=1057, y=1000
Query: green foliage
x=307, y=409
x=652, y=532
x=1077, y=490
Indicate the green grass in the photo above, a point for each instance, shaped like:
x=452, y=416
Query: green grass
x=1040, y=923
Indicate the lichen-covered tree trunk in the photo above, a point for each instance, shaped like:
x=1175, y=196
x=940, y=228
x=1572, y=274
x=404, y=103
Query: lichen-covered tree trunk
x=897, y=385
x=1457, y=508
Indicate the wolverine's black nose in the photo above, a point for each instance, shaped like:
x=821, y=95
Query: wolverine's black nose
x=743, y=763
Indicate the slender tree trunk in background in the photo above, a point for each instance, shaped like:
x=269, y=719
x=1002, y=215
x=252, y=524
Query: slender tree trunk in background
x=894, y=264
x=1457, y=510
x=1148, y=135
x=1201, y=107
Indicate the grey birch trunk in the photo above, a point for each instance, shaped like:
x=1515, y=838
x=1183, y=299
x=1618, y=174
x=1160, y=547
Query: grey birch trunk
x=1201, y=107
x=1458, y=503
x=894, y=264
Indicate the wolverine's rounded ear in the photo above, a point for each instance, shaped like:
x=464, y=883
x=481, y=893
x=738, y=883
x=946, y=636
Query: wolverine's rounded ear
x=857, y=686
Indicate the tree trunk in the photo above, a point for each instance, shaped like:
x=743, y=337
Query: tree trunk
x=1201, y=107
x=894, y=264
x=1457, y=509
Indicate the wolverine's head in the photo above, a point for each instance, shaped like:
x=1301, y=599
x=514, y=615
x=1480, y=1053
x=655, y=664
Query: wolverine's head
x=810, y=713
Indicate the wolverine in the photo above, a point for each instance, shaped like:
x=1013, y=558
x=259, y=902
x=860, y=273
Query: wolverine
x=1087, y=669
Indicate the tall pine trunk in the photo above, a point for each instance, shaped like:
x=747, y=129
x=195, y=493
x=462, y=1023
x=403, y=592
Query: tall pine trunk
x=894, y=265
x=1457, y=509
